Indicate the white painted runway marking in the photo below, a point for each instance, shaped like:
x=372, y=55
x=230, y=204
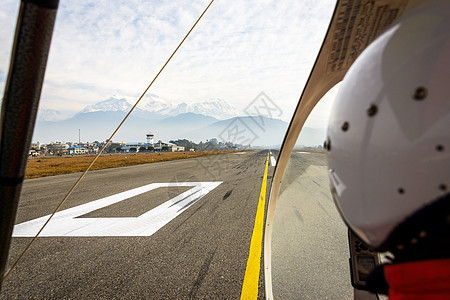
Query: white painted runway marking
x=273, y=162
x=65, y=223
x=303, y=152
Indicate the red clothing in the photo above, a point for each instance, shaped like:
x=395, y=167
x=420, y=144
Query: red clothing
x=428, y=279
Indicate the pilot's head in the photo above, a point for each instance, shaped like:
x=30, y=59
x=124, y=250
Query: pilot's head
x=388, y=138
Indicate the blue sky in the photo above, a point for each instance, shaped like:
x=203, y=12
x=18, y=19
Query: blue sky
x=240, y=48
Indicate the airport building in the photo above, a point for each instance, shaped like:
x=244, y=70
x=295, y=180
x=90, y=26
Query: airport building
x=167, y=147
x=150, y=146
x=131, y=147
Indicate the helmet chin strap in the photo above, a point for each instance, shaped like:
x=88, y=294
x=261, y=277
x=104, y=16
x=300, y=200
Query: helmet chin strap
x=423, y=235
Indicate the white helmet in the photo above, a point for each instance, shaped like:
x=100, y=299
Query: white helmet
x=389, y=132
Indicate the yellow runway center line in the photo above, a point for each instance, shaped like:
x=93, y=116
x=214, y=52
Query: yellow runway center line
x=251, y=277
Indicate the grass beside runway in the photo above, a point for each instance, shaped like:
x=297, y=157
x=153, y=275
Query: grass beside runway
x=50, y=166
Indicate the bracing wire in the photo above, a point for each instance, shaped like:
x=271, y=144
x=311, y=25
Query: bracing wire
x=103, y=148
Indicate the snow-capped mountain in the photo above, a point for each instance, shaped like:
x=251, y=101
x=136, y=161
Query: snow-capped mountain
x=111, y=104
x=216, y=108
x=154, y=103
x=51, y=115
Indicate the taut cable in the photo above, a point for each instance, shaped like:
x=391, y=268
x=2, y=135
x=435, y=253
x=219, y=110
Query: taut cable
x=103, y=148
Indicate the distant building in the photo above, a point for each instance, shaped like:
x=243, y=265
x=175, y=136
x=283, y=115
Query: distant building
x=149, y=146
x=131, y=147
x=76, y=150
x=33, y=153
x=150, y=137
x=128, y=149
x=175, y=148
x=160, y=146
x=115, y=147
x=57, y=148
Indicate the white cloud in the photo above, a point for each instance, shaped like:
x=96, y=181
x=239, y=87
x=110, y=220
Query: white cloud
x=238, y=49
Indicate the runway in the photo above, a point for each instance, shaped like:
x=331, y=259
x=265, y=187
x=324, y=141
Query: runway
x=310, y=256
x=99, y=250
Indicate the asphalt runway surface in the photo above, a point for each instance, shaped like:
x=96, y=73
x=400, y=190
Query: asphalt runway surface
x=200, y=252
x=310, y=256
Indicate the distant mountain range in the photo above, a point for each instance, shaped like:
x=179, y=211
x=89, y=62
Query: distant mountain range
x=197, y=122
x=216, y=108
